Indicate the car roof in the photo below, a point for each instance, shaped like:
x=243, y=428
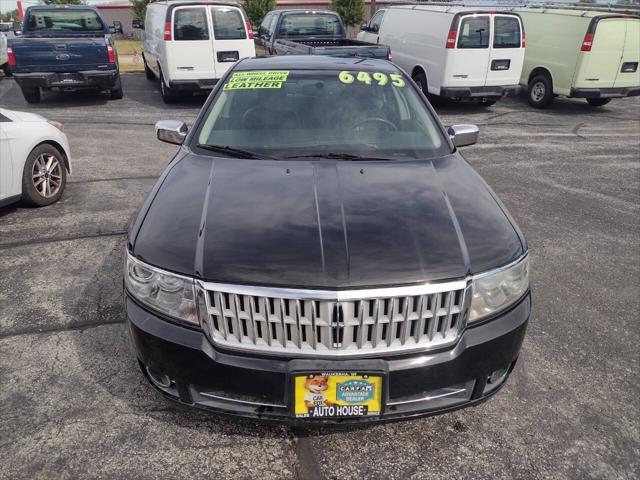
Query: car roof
x=300, y=10
x=315, y=62
x=62, y=7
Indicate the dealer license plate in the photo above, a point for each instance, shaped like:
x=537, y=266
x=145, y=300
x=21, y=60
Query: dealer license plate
x=337, y=395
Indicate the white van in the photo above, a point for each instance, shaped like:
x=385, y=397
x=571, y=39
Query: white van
x=453, y=51
x=189, y=45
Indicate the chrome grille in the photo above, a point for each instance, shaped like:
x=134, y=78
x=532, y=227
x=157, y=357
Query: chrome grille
x=308, y=322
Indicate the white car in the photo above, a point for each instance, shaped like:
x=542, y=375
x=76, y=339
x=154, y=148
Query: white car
x=34, y=159
x=4, y=55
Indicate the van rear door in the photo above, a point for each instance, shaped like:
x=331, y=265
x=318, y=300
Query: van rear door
x=232, y=37
x=629, y=71
x=466, y=64
x=189, y=50
x=507, y=53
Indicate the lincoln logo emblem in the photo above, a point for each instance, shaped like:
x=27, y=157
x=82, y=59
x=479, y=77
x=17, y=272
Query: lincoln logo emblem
x=337, y=326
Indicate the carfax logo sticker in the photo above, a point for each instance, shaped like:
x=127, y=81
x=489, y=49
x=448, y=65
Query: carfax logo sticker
x=355, y=391
x=257, y=80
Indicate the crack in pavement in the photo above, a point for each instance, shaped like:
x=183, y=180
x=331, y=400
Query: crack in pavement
x=35, y=241
x=67, y=328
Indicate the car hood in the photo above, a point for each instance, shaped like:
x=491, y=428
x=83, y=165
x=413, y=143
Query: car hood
x=324, y=224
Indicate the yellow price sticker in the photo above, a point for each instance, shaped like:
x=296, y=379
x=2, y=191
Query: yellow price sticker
x=375, y=78
x=257, y=80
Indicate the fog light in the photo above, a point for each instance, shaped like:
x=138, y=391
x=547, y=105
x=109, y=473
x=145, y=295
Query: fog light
x=159, y=379
x=498, y=375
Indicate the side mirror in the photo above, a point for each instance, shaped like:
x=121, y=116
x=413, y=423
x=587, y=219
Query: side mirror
x=171, y=131
x=463, y=135
x=375, y=29
x=112, y=29
x=137, y=24
x=117, y=26
x=364, y=27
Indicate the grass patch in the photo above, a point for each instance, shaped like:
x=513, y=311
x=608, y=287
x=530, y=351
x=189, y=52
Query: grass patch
x=126, y=47
x=131, y=68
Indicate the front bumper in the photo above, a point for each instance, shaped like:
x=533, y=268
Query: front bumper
x=605, y=92
x=480, y=92
x=102, y=79
x=258, y=387
x=193, y=85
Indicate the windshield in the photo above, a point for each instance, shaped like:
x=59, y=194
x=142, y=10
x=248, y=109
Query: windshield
x=283, y=114
x=310, y=24
x=74, y=20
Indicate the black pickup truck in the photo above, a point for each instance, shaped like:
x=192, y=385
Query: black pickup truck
x=65, y=48
x=306, y=32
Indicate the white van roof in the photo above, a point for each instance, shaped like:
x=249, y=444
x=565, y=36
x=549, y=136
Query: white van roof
x=452, y=9
x=196, y=2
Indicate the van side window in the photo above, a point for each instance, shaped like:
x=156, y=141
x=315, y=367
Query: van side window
x=227, y=24
x=190, y=24
x=474, y=32
x=507, y=32
x=376, y=21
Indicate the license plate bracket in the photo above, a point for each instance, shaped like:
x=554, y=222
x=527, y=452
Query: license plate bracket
x=337, y=394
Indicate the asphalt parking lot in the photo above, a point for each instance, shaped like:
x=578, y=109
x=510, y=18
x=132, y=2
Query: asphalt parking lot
x=74, y=404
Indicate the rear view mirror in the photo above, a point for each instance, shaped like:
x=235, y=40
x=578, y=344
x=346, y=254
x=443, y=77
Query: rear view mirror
x=463, y=135
x=171, y=131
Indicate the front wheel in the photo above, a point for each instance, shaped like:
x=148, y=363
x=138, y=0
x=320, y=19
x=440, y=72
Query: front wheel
x=540, y=93
x=32, y=95
x=116, y=90
x=44, y=176
x=598, y=102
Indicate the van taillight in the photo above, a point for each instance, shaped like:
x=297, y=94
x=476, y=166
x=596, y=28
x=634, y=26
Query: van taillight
x=249, y=30
x=587, y=42
x=523, y=39
x=167, y=31
x=111, y=54
x=390, y=57
x=11, y=57
x=451, y=39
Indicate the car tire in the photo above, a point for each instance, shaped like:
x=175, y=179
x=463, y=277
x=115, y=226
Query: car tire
x=116, y=90
x=6, y=69
x=32, y=95
x=147, y=71
x=540, y=91
x=598, y=102
x=44, y=176
x=168, y=96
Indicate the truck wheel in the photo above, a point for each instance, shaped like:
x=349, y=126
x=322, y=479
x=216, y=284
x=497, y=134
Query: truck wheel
x=116, y=90
x=540, y=91
x=598, y=102
x=32, y=95
x=167, y=95
x=421, y=81
x=147, y=71
x=6, y=69
x=44, y=176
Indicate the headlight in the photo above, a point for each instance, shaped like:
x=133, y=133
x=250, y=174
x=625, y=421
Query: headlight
x=166, y=292
x=495, y=291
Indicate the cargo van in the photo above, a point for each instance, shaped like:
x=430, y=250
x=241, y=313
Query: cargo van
x=453, y=51
x=189, y=45
x=580, y=53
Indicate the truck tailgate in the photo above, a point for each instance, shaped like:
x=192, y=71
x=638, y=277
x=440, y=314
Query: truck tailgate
x=47, y=54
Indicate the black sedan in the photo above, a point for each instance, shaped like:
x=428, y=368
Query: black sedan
x=319, y=251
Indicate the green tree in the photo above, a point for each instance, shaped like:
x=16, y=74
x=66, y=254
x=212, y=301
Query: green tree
x=64, y=2
x=257, y=9
x=139, y=8
x=351, y=11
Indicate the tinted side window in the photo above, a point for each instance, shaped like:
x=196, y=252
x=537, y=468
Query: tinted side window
x=264, y=27
x=227, y=24
x=190, y=24
x=376, y=21
x=507, y=32
x=474, y=32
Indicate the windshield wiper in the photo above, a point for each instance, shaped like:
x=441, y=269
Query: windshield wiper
x=340, y=156
x=237, y=152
